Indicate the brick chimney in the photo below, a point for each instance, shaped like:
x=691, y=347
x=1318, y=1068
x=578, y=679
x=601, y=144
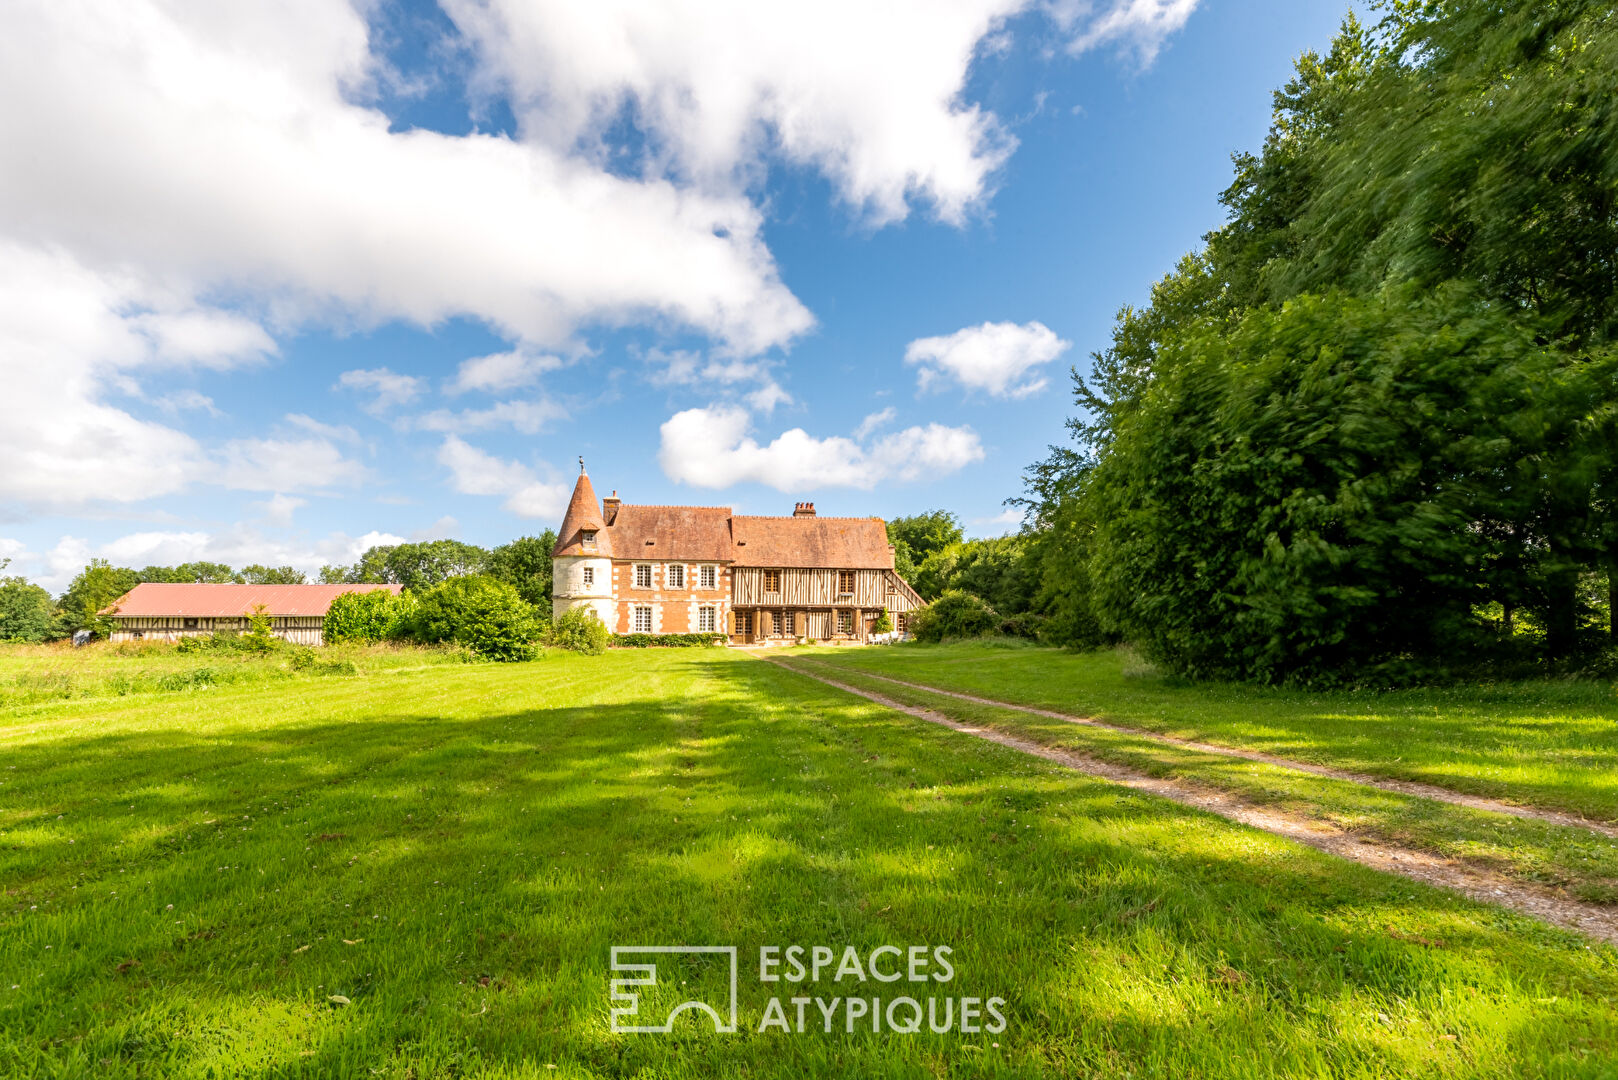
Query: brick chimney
x=803, y=510
x=610, y=505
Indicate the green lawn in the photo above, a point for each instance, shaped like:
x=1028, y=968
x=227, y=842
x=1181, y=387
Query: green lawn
x=1549, y=744
x=184, y=871
x=1579, y=861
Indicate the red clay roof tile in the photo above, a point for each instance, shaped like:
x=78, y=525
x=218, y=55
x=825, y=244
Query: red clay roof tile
x=159, y=599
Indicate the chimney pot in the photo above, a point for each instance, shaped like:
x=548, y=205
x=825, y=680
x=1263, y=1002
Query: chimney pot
x=803, y=509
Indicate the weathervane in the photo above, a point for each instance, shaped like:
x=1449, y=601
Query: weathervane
x=581, y=464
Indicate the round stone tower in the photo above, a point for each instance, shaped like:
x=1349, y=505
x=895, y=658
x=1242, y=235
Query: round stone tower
x=581, y=562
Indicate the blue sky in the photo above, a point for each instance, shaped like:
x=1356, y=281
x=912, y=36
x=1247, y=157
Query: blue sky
x=292, y=278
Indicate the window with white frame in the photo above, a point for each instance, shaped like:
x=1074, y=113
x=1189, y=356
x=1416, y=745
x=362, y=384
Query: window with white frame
x=706, y=620
x=643, y=620
x=643, y=575
x=589, y=537
x=707, y=577
x=589, y=577
x=845, y=622
x=674, y=576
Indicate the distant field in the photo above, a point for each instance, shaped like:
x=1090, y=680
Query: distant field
x=1549, y=743
x=452, y=849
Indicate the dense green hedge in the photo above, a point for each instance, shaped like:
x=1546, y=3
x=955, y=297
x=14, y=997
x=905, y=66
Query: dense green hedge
x=482, y=613
x=369, y=617
x=665, y=641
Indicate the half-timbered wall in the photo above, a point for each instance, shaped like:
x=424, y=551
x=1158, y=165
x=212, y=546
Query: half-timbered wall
x=807, y=588
x=298, y=629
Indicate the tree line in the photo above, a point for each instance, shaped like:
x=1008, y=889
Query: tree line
x=1367, y=430
x=28, y=612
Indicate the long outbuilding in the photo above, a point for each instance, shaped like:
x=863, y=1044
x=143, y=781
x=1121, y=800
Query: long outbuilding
x=160, y=611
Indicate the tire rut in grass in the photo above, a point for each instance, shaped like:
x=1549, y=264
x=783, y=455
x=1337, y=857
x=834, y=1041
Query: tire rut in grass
x=1473, y=882
x=1400, y=787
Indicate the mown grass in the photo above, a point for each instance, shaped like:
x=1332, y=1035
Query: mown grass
x=37, y=674
x=183, y=878
x=1546, y=743
x=1582, y=862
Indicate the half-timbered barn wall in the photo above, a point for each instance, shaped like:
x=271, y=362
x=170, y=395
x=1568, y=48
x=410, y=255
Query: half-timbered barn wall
x=297, y=629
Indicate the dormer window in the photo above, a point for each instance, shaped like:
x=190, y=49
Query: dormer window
x=589, y=537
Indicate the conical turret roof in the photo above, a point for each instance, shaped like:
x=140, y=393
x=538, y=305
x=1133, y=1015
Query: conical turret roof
x=583, y=514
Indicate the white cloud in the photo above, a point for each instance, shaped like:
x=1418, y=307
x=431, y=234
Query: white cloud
x=238, y=545
x=228, y=145
x=388, y=389
x=875, y=421
x=996, y=358
x=869, y=94
x=474, y=472
x=527, y=417
x=335, y=432
x=1141, y=25
x=278, y=509
x=686, y=368
x=184, y=400
x=711, y=448
x=282, y=465
x=502, y=371
x=67, y=334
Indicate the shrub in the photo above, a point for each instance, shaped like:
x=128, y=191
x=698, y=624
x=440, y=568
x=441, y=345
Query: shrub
x=954, y=615
x=369, y=617
x=306, y=660
x=580, y=630
x=1025, y=625
x=258, y=638
x=665, y=641
x=485, y=615
x=883, y=624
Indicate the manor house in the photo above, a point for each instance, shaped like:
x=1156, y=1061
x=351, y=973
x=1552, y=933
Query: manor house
x=704, y=569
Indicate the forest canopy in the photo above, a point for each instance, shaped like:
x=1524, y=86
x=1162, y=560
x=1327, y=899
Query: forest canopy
x=1369, y=427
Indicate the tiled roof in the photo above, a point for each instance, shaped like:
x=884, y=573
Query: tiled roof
x=698, y=533
x=160, y=599
x=818, y=542
x=583, y=512
x=714, y=534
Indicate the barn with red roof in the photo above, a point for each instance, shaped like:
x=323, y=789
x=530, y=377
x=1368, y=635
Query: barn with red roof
x=167, y=612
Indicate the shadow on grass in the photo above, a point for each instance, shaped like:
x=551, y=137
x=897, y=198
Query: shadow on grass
x=461, y=880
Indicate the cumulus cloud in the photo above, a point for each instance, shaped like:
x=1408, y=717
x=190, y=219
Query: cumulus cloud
x=278, y=509
x=211, y=145
x=527, y=417
x=388, y=389
x=997, y=358
x=68, y=335
x=711, y=448
x=868, y=94
x=237, y=545
x=689, y=368
x=283, y=465
x=1138, y=25
x=499, y=372
x=475, y=472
